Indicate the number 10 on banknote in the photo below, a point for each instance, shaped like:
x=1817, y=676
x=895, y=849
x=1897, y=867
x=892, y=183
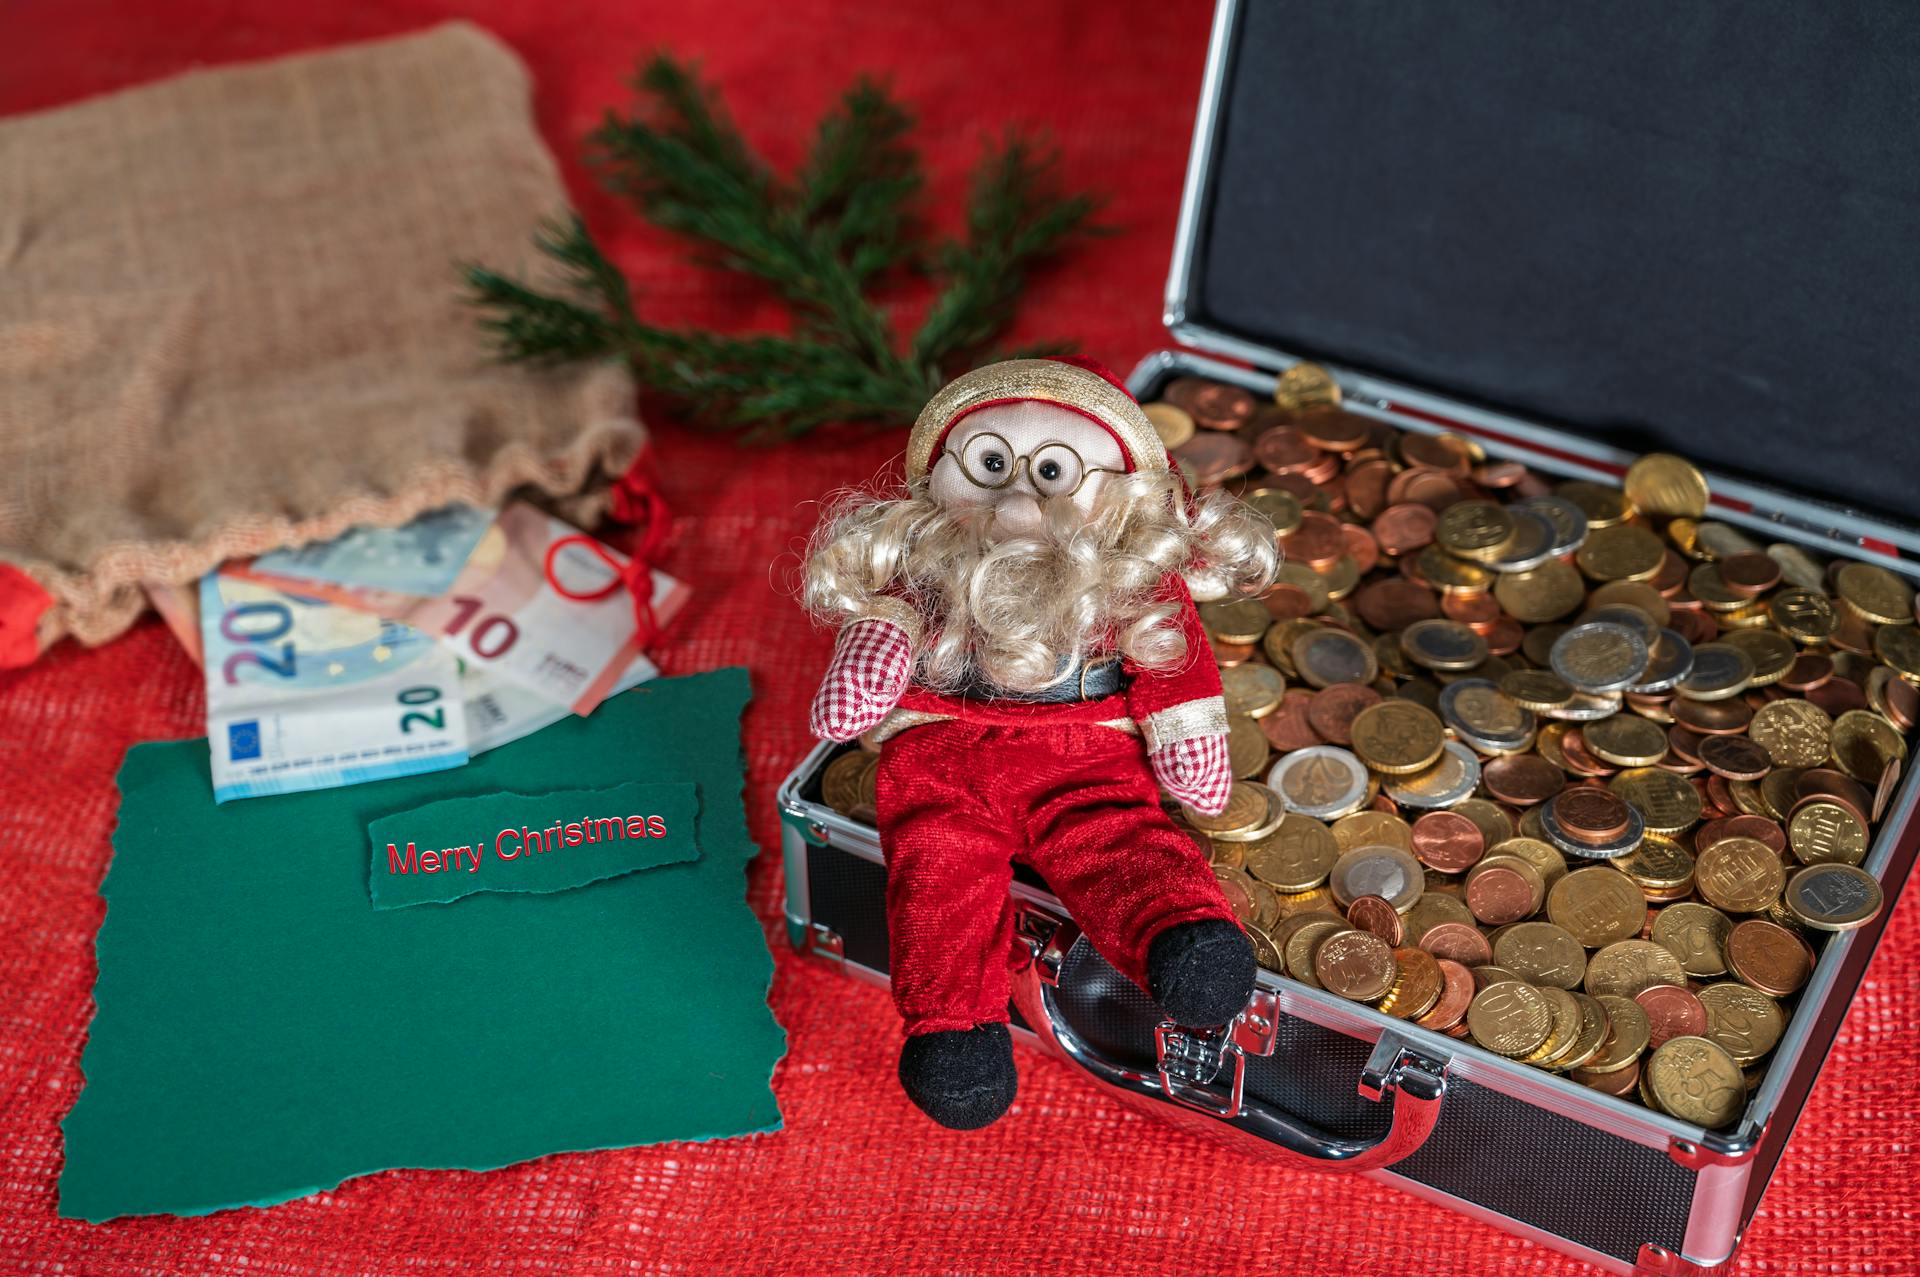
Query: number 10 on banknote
x=306, y=694
x=504, y=614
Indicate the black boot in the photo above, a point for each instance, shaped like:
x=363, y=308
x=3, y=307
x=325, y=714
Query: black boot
x=1201, y=973
x=963, y=1078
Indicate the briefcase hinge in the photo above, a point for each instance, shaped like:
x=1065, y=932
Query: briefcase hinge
x=1191, y=1061
x=823, y=941
x=1696, y=1157
x=1658, y=1261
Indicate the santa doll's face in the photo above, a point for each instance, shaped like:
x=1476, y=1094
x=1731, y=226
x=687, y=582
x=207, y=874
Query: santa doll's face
x=1013, y=456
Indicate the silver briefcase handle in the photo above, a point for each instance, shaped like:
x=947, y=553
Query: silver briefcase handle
x=1190, y=1065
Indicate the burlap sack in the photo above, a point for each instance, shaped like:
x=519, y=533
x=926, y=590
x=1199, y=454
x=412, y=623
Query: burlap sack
x=230, y=317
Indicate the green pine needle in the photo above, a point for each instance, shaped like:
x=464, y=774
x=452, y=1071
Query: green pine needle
x=831, y=242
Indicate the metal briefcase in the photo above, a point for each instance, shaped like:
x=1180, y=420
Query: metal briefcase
x=1405, y=194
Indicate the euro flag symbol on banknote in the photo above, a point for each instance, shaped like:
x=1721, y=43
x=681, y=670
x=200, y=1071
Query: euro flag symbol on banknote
x=306, y=694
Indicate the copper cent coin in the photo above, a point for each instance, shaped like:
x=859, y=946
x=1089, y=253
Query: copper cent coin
x=1374, y=914
x=1402, y=529
x=1769, y=957
x=1522, y=779
x=1394, y=603
x=1672, y=1012
x=1447, y=841
x=1290, y=726
x=1334, y=709
x=1456, y=995
x=1735, y=757
x=1500, y=895
x=1458, y=941
x=1591, y=814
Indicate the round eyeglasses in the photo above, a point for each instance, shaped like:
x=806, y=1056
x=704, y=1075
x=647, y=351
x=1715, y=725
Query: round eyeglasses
x=1054, y=469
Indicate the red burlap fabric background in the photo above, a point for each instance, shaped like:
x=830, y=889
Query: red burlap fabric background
x=857, y=1182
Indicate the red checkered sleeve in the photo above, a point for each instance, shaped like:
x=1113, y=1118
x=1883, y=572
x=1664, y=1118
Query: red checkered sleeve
x=1196, y=772
x=872, y=664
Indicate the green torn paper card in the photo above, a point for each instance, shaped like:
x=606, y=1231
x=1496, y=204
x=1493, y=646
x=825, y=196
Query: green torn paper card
x=263, y=1033
x=528, y=842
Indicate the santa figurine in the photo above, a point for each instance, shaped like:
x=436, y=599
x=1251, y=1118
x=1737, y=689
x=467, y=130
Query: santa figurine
x=1019, y=635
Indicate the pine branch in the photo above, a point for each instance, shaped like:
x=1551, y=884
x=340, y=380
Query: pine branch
x=1017, y=216
x=826, y=242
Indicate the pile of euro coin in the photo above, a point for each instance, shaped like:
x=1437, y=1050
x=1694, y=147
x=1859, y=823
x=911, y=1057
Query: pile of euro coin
x=1571, y=769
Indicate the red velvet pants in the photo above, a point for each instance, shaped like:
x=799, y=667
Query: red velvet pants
x=959, y=801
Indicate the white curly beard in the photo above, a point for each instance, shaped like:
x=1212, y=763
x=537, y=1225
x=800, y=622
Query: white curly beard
x=1023, y=611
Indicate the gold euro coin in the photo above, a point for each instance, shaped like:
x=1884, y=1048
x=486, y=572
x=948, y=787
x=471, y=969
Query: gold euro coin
x=1246, y=810
x=1865, y=744
x=1280, y=506
x=1398, y=737
x=1451, y=574
x=1667, y=802
x=1629, y=1033
x=1541, y=953
x=1667, y=486
x=841, y=782
x=1770, y=651
x=1803, y=615
x=1659, y=866
x=1594, y=1030
x=1542, y=594
x=1541, y=691
x=1875, y=593
x=1510, y=1018
x=1564, y=1032
x=1739, y=875
x=1625, y=740
x=1696, y=1081
x=1296, y=857
x=1795, y=733
x=1899, y=647
x=1246, y=747
x=1697, y=935
x=1626, y=967
x=1602, y=504
x=1742, y=1021
x=1173, y=424
x=1301, y=946
x=1624, y=552
x=1372, y=829
x=1823, y=832
x=1305, y=388
x=1597, y=906
x=1253, y=690
x=1238, y=621
x=1476, y=530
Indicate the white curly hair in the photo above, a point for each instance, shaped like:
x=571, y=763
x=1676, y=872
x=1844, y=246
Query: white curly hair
x=1022, y=610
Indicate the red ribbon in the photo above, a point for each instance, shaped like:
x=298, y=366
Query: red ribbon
x=635, y=501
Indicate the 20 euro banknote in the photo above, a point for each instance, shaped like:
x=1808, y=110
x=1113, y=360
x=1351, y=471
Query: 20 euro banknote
x=306, y=694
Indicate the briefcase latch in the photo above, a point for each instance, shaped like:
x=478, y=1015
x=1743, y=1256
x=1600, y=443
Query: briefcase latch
x=1192, y=1061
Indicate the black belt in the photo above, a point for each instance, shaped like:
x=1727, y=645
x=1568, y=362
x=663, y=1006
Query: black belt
x=1097, y=679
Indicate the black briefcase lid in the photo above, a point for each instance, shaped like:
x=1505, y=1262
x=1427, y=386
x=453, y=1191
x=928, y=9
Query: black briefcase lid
x=1687, y=228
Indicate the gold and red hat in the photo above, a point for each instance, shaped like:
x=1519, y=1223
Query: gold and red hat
x=1079, y=385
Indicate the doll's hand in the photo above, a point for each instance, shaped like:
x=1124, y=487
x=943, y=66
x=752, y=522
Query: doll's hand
x=872, y=662
x=1196, y=772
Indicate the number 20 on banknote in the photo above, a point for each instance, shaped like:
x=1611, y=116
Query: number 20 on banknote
x=304, y=694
